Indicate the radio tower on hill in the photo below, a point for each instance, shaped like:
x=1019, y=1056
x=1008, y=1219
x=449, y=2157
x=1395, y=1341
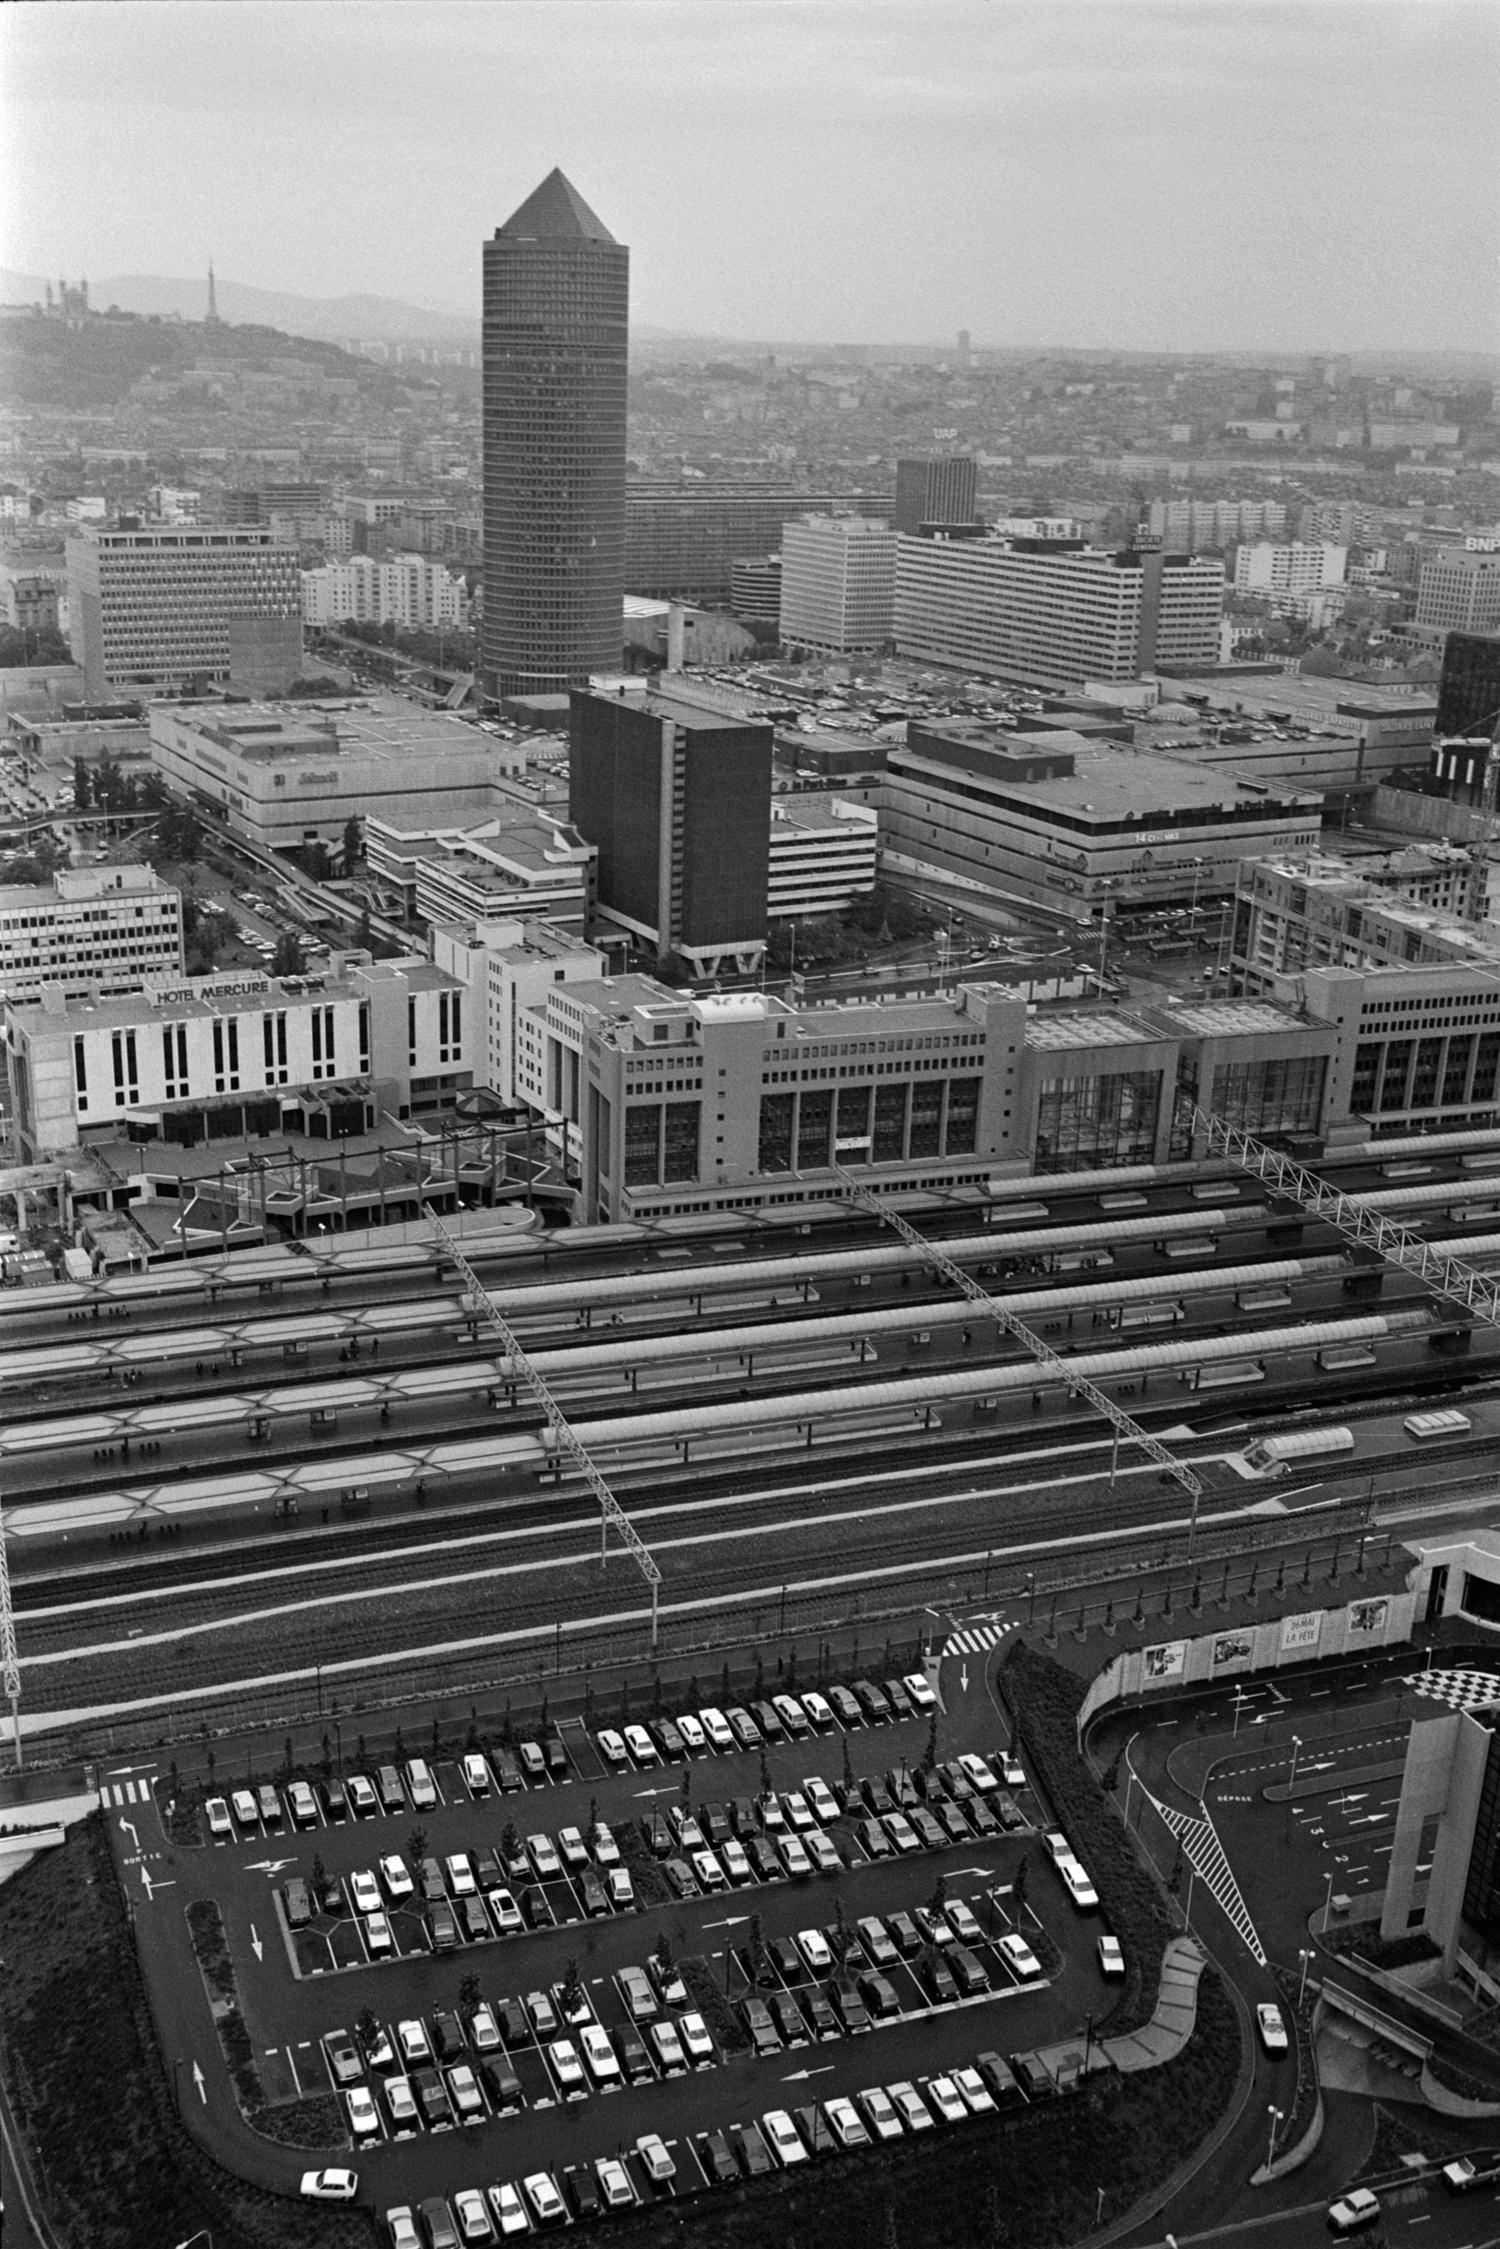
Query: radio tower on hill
x=211, y=317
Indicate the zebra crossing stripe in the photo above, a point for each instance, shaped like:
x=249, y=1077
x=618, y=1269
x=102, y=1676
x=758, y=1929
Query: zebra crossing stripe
x=974, y=1638
x=1204, y=1852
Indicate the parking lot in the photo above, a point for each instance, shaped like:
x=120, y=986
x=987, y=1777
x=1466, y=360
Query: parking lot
x=529, y=1961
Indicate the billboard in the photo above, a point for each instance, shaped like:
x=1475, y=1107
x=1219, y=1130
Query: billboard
x=1166, y=1661
x=1302, y=1631
x=1233, y=1651
x=1368, y=1616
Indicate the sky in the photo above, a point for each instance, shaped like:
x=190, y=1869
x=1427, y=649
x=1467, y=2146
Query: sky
x=1140, y=174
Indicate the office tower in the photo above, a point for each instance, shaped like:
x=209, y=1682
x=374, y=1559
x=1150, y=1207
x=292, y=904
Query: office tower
x=682, y=541
x=838, y=583
x=556, y=309
x=1469, y=697
x=678, y=801
x=1459, y=590
x=937, y=492
x=169, y=606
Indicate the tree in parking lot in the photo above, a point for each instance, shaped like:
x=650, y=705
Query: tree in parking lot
x=469, y=1993
x=367, y=2029
x=319, y=1876
x=288, y=959
x=848, y=1765
x=510, y=1842
x=1018, y=1883
x=416, y=1845
x=755, y=1948
x=687, y=1787
x=930, y=1752
x=939, y=1896
x=570, y=1990
x=400, y=1747
x=664, y=1951
x=765, y=1771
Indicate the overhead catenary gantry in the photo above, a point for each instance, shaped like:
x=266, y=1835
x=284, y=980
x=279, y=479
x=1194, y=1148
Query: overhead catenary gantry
x=1044, y=1355
x=610, y=1510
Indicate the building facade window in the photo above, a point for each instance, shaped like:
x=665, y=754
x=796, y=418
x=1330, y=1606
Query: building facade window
x=80, y=1074
x=1105, y=1122
x=273, y=1036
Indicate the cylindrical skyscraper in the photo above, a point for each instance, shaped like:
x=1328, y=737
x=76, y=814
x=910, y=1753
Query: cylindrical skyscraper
x=556, y=325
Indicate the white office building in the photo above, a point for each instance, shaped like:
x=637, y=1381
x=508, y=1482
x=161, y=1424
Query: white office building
x=90, y=929
x=515, y=862
x=510, y=966
x=1294, y=566
x=822, y=856
x=838, y=583
x=402, y=589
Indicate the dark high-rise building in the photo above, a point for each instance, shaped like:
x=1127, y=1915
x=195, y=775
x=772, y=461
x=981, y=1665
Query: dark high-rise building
x=678, y=801
x=934, y=492
x=556, y=317
x=1469, y=697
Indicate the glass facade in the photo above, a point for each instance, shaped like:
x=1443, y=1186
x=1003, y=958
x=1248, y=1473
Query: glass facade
x=661, y=1142
x=1098, y=1123
x=1272, y=1096
x=859, y=1124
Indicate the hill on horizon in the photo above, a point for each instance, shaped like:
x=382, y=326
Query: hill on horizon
x=325, y=319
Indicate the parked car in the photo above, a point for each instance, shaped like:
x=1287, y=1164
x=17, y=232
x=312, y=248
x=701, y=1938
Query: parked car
x=845, y=2122
x=910, y=2106
x=1019, y=1957
x=782, y=2138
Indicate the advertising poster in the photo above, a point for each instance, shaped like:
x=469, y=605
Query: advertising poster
x=1368, y=1616
x=1166, y=1661
x=1301, y=1631
x=1233, y=1651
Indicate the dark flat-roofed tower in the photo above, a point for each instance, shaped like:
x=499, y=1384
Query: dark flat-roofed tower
x=556, y=326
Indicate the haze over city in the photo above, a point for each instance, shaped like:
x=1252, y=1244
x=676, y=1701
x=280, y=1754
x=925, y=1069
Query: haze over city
x=1164, y=177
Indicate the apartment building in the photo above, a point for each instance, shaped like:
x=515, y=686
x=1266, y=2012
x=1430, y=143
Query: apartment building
x=1459, y=589
x=404, y=589
x=1188, y=526
x=838, y=584
x=90, y=929
x=166, y=606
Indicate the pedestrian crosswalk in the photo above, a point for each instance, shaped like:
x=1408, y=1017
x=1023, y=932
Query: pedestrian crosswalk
x=1461, y=1690
x=1199, y=1839
x=973, y=1639
x=115, y=1795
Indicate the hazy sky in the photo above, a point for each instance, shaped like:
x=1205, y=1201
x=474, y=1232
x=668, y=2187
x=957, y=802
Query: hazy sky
x=1303, y=174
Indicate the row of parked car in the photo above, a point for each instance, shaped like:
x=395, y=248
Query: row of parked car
x=394, y=1790
x=777, y=1718
x=472, y=1896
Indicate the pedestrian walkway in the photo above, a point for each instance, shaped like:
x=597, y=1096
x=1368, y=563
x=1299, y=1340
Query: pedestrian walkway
x=116, y=1794
x=974, y=1638
x=1461, y=1690
x=1171, y=2026
x=1199, y=1840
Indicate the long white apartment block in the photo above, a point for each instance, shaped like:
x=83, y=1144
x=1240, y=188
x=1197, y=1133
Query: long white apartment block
x=404, y=589
x=90, y=929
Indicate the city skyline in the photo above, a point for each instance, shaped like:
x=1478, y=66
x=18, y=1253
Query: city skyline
x=1132, y=176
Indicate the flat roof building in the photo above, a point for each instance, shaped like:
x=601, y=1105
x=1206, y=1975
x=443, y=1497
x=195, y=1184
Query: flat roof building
x=677, y=800
x=822, y=855
x=288, y=774
x=935, y=492
x=1054, y=613
x=682, y=540
x=838, y=584
x=1459, y=590
x=401, y=589
x=516, y=861
x=1469, y=693
x=90, y=929
x=170, y=606
x=556, y=315
x=1073, y=824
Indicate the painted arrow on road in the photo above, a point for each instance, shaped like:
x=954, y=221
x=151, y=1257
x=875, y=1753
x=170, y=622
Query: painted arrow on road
x=956, y=1870
x=128, y=1826
x=198, y=2081
x=642, y=1792
x=800, y=2076
x=269, y=1867
x=119, y=1772
x=963, y=1678
x=735, y=1921
x=256, y=1944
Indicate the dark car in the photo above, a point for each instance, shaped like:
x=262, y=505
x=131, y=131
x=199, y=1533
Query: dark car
x=761, y=1852
x=514, y=2028
x=533, y=1904
x=336, y=1800
x=554, y=1749
x=717, y=2158
x=879, y=1995
x=929, y=1834
x=668, y=1740
x=848, y=2005
x=874, y=1841
x=473, y=1920
x=901, y=1785
x=785, y=1958
x=714, y=1821
x=430, y=1881
x=950, y=1818
x=967, y=1972
x=822, y=2020
x=500, y=2082
x=591, y=1893
x=957, y=1781
x=939, y=1979
x=432, y=2099
x=680, y=1878
x=878, y=1797
x=787, y=2016
x=929, y=1786
x=388, y=1788
x=769, y=1721
x=657, y=1832
x=849, y=1797
x=873, y=1704
x=583, y=2192
x=981, y=1818
x=743, y=1817
x=846, y=1709
x=448, y=2037
x=999, y=2076
x=441, y=1927
x=752, y=2150
x=898, y=1698
x=330, y=1898
x=508, y=1770
x=489, y=1869
x=634, y=2059
x=904, y=1934
x=764, y=2036
x=1006, y=1810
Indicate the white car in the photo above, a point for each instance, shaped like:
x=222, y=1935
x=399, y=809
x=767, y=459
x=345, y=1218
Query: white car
x=508, y=2211
x=710, y=1873
x=735, y=1861
x=915, y=1683
x=472, y=2216
x=621, y=1889
x=330, y=2185
x=364, y=2118
x=219, y=1820
x=910, y=2106
x=793, y=1855
x=656, y=2158
x=402, y=2228
x=822, y=1799
x=615, y=2189
x=798, y=1811
x=1013, y=1772
x=693, y=2031
x=782, y=2138
x=476, y=1774
x=822, y=1850
x=540, y=2190
x=717, y=1727
x=411, y=2037
x=393, y=1874
x=575, y=1852
x=880, y=2113
x=694, y=1739
x=504, y=1912
x=612, y=1748
x=247, y=1812
x=364, y=1892
x=977, y=1772
x=463, y=2091
x=484, y=2031
x=1111, y=1958
x=603, y=2061
x=1077, y=1884
x=977, y=2096
x=1019, y=1957
x=379, y=1937
x=544, y=1857
x=845, y=2122
x=815, y=1950
x=946, y=2098
x=304, y=1804
x=1357, y=2209
x=566, y=2067
x=606, y=1849
x=1271, y=2027
x=961, y=1921
x=461, y=1875
x=820, y=1711
x=641, y=1747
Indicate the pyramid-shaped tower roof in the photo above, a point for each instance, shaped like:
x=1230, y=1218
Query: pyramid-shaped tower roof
x=554, y=212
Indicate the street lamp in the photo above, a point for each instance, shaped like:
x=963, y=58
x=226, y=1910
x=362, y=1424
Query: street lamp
x=1304, y=1955
x=1277, y=2117
x=1240, y=1700
x=1292, y=1783
x=1328, y=1902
